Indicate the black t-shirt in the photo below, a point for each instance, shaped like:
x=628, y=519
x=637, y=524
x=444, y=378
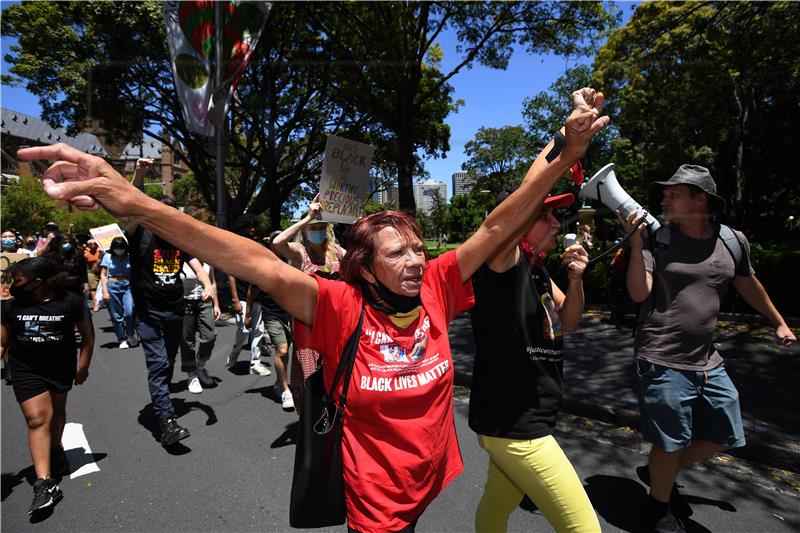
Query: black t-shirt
x=155, y=272
x=269, y=307
x=517, y=380
x=41, y=334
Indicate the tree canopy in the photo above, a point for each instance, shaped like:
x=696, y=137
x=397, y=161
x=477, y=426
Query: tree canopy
x=712, y=83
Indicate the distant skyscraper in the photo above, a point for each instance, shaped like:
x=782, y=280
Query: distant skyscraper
x=464, y=181
x=424, y=194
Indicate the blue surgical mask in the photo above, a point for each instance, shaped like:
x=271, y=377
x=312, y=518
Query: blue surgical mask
x=67, y=246
x=317, y=236
x=9, y=242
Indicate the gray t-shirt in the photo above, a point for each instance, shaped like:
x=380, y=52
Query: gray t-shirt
x=688, y=282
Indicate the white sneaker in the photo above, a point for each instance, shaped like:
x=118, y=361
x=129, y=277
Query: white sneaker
x=194, y=386
x=287, y=402
x=260, y=369
x=123, y=345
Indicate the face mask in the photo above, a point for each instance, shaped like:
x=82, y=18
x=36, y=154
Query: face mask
x=22, y=291
x=67, y=246
x=30, y=244
x=317, y=236
x=120, y=251
x=9, y=242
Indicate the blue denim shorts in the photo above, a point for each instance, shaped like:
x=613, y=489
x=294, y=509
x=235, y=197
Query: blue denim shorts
x=680, y=406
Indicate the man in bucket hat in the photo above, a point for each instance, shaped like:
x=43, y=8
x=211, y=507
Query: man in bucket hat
x=689, y=406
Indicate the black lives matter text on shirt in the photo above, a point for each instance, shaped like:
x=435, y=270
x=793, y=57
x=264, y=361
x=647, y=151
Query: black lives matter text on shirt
x=517, y=379
x=42, y=334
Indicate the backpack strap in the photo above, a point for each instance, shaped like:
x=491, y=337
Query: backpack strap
x=732, y=243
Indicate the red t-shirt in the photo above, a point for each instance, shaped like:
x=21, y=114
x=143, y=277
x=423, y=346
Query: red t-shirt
x=400, y=447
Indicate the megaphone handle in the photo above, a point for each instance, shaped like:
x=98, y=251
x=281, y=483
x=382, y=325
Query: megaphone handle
x=619, y=242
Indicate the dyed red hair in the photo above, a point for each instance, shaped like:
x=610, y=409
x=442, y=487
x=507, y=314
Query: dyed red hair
x=361, y=243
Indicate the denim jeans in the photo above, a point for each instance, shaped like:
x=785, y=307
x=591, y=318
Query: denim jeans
x=160, y=333
x=120, y=307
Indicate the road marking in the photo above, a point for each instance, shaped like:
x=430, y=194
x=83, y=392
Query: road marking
x=77, y=450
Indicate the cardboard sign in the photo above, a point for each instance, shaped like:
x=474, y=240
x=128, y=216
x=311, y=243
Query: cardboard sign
x=105, y=234
x=345, y=179
x=6, y=260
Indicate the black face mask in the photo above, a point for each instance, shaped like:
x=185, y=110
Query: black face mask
x=389, y=302
x=24, y=291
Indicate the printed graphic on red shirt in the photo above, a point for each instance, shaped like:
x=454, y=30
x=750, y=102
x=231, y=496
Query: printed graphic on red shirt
x=402, y=365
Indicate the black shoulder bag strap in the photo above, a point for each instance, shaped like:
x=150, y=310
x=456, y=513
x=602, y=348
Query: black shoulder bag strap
x=346, y=364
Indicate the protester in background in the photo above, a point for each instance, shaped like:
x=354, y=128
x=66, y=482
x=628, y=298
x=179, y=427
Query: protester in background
x=268, y=320
x=517, y=377
x=201, y=311
x=9, y=242
x=38, y=343
x=115, y=284
x=156, y=265
x=29, y=246
x=92, y=254
x=689, y=405
x=62, y=251
x=50, y=230
x=399, y=446
x=316, y=253
x=245, y=227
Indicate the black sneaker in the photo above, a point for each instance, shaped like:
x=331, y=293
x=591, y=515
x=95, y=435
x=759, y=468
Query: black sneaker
x=171, y=432
x=204, y=378
x=58, y=462
x=669, y=523
x=677, y=502
x=45, y=494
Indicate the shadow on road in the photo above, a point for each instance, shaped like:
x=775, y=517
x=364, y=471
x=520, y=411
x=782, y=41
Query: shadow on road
x=147, y=418
x=77, y=458
x=287, y=438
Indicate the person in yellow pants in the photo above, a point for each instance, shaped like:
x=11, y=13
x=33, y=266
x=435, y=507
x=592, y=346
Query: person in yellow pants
x=538, y=468
x=517, y=380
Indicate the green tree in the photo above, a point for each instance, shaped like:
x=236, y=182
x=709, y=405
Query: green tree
x=710, y=83
x=26, y=207
x=502, y=155
x=464, y=216
x=438, y=218
x=392, y=62
x=109, y=61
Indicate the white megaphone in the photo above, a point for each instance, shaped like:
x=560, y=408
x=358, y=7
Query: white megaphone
x=605, y=188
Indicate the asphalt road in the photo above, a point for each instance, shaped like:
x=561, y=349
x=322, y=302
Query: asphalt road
x=234, y=472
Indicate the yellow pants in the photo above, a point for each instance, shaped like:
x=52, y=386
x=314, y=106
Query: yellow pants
x=539, y=469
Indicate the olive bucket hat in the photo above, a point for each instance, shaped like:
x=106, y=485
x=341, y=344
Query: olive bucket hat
x=694, y=176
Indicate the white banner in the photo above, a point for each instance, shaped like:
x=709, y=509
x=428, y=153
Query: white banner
x=345, y=179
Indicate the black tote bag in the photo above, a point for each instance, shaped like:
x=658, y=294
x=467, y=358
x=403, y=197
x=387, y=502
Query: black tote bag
x=317, y=498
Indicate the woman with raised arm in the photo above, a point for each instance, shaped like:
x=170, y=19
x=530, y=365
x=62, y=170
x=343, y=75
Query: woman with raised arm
x=399, y=447
x=316, y=253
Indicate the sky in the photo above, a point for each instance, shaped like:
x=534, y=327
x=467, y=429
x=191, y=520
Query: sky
x=492, y=98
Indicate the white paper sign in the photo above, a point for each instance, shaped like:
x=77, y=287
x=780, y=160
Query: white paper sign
x=345, y=179
x=105, y=234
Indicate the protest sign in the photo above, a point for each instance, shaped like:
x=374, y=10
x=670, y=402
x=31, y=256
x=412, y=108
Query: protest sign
x=105, y=234
x=344, y=184
x=6, y=260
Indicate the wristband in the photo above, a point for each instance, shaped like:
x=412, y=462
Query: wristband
x=558, y=145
